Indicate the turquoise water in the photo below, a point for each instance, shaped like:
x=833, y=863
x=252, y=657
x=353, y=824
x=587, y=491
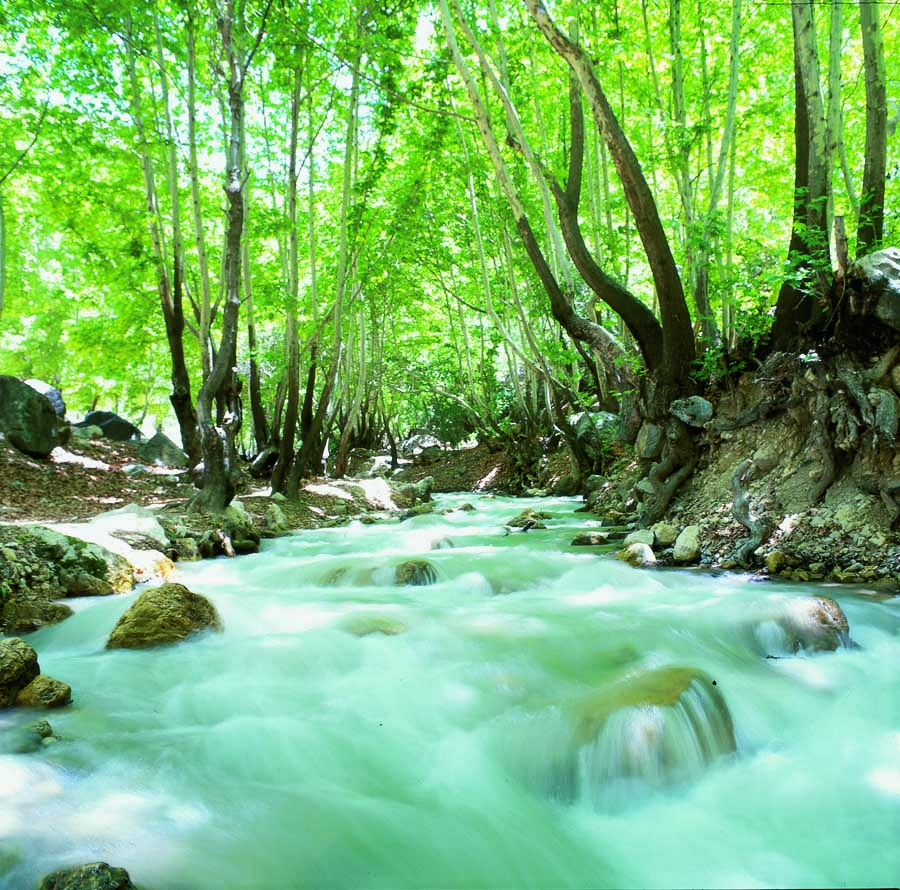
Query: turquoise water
x=291, y=752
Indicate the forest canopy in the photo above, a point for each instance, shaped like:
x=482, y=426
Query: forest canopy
x=295, y=224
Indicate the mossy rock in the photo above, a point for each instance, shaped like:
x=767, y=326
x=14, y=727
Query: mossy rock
x=529, y=519
x=44, y=692
x=25, y=617
x=93, y=876
x=77, y=560
x=415, y=573
x=165, y=614
x=18, y=667
x=365, y=625
x=660, y=688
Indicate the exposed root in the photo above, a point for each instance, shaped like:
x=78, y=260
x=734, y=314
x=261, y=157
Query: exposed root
x=678, y=462
x=757, y=525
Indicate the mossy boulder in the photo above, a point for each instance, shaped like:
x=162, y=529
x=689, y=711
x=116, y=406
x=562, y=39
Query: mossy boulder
x=27, y=418
x=93, y=876
x=654, y=726
x=165, y=614
x=44, y=692
x=529, y=519
x=18, y=667
x=414, y=573
x=638, y=555
x=83, y=568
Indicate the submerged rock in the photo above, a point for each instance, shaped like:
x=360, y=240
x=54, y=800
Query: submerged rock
x=661, y=725
x=166, y=614
x=93, y=876
x=809, y=624
x=365, y=625
x=415, y=573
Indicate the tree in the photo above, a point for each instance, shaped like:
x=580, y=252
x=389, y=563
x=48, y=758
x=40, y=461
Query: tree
x=218, y=431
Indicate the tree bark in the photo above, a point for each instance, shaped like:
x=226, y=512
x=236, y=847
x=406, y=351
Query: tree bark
x=870, y=232
x=678, y=337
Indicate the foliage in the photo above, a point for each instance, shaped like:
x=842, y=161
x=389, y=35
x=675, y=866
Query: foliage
x=457, y=332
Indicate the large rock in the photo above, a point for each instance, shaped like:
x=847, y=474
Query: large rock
x=687, y=545
x=114, y=427
x=660, y=724
x=415, y=573
x=640, y=536
x=880, y=276
x=650, y=441
x=594, y=432
x=529, y=519
x=27, y=418
x=162, y=451
x=694, y=410
x=93, y=876
x=814, y=624
x=51, y=393
x=166, y=614
x=18, y=667
x=241, y=529
x=84, y=568
x=637, y=554
x=44, y=692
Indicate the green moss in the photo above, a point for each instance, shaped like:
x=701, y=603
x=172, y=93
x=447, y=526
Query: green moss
x=662, y=687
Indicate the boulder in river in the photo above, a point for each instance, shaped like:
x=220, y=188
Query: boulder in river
x=18, y=667
x=27, y=418
x=44, y=692
x=366, y=625
x=659, y=725
x=590, y=539
x=165, y=614
x=808, y=624
x=414, y=573
x=637, y=554
x=92, y=876
x=84, y=568
x=529, y=519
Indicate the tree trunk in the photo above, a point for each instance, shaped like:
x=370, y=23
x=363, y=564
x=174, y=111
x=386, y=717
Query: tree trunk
x=678, y=337
x=218, y=439
x=871, y=212
x=170, y=288
x=799, y=306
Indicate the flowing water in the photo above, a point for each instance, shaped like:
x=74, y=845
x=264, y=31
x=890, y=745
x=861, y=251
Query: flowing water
x=540, y=716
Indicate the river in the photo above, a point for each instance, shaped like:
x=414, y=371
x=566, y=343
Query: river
x=347, y=732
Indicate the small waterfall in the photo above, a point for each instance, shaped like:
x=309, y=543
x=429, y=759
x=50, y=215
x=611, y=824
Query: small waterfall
x=649, y=731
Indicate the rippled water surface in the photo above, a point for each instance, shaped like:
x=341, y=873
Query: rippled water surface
x=472, y=737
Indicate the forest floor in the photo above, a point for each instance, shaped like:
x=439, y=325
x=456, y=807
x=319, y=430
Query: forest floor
x=845, y=538
x=89, y=477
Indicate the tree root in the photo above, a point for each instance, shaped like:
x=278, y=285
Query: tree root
x=665, y=478
x=757, y=525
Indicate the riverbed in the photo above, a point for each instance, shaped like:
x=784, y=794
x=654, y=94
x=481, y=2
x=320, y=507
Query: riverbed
x=348, y=732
